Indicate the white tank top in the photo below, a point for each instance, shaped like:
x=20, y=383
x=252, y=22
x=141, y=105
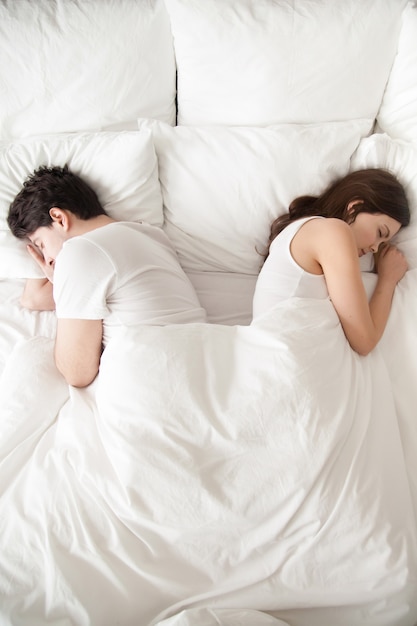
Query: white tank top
x=281, y=277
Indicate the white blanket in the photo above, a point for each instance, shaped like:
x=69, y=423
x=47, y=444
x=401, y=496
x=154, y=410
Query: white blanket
x=244, y=469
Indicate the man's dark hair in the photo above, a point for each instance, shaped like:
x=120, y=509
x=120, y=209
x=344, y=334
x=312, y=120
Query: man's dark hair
x=46, y=188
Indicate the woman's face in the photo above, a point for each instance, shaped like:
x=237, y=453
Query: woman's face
x=372, y=229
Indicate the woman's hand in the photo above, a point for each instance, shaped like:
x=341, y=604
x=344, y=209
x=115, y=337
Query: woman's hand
x=390, y=263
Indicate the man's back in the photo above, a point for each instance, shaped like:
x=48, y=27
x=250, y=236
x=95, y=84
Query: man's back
x=126, y=274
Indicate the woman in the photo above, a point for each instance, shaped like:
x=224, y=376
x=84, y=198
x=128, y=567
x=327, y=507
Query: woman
x=314, y=252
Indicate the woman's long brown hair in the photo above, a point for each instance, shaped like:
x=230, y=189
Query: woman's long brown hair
x=374, y=190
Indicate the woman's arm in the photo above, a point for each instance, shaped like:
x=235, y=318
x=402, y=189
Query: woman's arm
x=333, y=246
x=37, y=295
x=391, y=267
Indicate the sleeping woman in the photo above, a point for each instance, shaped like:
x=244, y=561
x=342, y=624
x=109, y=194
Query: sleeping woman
x=314, y=251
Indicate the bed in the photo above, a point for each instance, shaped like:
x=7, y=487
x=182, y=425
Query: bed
x=226, y=473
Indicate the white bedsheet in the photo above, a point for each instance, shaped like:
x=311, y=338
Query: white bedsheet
x=212, y=469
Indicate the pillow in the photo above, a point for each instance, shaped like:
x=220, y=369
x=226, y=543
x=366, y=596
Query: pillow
x=223, y=186
x=251, y=62
x=398, y=113
x=400, y=158
x=84, y=65
x=121, y=167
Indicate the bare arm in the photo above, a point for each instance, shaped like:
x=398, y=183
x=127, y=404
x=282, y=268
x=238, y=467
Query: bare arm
x=363, y=322
x=78, y=343
x=391, y=268
x=78, y=348
x=37, y=295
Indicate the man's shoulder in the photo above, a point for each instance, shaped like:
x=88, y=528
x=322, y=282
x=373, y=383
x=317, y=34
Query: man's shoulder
x=81, y=251
x=139, y=228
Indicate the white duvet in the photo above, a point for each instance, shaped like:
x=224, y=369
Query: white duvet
x=214, y=475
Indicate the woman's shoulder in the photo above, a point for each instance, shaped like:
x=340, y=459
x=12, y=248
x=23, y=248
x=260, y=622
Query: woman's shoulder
x=331, y=239
x=328, y=227
x=323, y=237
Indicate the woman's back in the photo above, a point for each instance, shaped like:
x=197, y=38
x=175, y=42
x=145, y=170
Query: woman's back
x=281, y=277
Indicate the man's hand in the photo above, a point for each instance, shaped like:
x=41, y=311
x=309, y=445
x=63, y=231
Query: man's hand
x=37, y=294
x=37, y=256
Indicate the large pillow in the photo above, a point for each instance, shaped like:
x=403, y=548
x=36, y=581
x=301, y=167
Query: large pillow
x=223, y=186
x=400, y=158
x=121, y=167
x=84, y=65
x=252, y=62
x=398, y=113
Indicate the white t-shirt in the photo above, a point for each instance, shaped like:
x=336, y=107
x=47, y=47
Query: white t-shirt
x=125, y=274
x=281, y=277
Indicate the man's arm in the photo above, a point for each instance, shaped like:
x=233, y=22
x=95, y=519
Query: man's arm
x=37, y=295
x=78, y=348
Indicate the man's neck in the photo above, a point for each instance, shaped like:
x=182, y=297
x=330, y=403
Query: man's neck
x=80, y=227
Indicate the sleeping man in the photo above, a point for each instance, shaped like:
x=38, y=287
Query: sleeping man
x=100, y=274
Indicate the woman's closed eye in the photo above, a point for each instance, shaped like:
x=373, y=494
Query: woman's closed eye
x=384, y=233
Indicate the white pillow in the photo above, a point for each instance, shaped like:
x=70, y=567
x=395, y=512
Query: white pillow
x=84, y=65
x=121, y=167
x=400, y=158
x=223, y=186
x=246, y=62
x=398, y=113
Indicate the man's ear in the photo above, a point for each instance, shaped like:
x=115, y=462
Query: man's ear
x=60, y=217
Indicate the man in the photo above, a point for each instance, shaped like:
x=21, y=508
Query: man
x=101, y=274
